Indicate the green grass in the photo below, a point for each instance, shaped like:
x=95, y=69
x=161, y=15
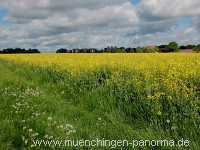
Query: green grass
x=35, y=101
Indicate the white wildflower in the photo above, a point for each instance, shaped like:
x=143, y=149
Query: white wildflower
x=30, y=130
x=168, y=121
x=49, y=118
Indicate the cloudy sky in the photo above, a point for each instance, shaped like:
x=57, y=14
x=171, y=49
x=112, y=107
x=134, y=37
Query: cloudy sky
x=52, y=24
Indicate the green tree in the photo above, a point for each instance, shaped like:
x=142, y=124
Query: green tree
x=173, y=46
x=197, y=48
x=62, y=50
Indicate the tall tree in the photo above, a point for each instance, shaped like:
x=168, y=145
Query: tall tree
x=173, y=46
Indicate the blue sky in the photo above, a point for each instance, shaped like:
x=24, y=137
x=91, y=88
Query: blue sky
x=185, y=22
x=3, y=13
x=135, y=1
x=48, y=24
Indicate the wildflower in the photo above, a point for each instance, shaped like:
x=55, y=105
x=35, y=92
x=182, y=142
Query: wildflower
x=49, y=118
x=36, y=134
x=159, y=113
x=14, y=106
x=37, y=114
x=26, y=141
x=69, y=125
x=73, y=131
x=168, y=121
x=51, y=137
x=63, y=92
x=32, y=146
x=173, y=127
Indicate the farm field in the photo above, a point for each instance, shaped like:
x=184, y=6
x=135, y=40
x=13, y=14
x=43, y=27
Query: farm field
x=105, y=96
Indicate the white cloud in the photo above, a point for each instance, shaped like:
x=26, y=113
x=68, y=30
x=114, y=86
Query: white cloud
x=49, y=19
x=49, y=24
x=30, y=9
x=168, y=8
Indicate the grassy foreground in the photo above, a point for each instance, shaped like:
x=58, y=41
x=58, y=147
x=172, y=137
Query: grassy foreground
x=152, y=103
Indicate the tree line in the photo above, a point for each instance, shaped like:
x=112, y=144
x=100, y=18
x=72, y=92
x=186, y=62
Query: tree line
x=109, y=50
x=171, y=47
x=18, y=51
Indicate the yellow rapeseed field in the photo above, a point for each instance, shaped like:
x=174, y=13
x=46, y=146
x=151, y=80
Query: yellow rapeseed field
x=170, y=69
x=186, y=63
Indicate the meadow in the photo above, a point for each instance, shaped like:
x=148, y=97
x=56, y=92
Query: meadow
x=89, y=96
